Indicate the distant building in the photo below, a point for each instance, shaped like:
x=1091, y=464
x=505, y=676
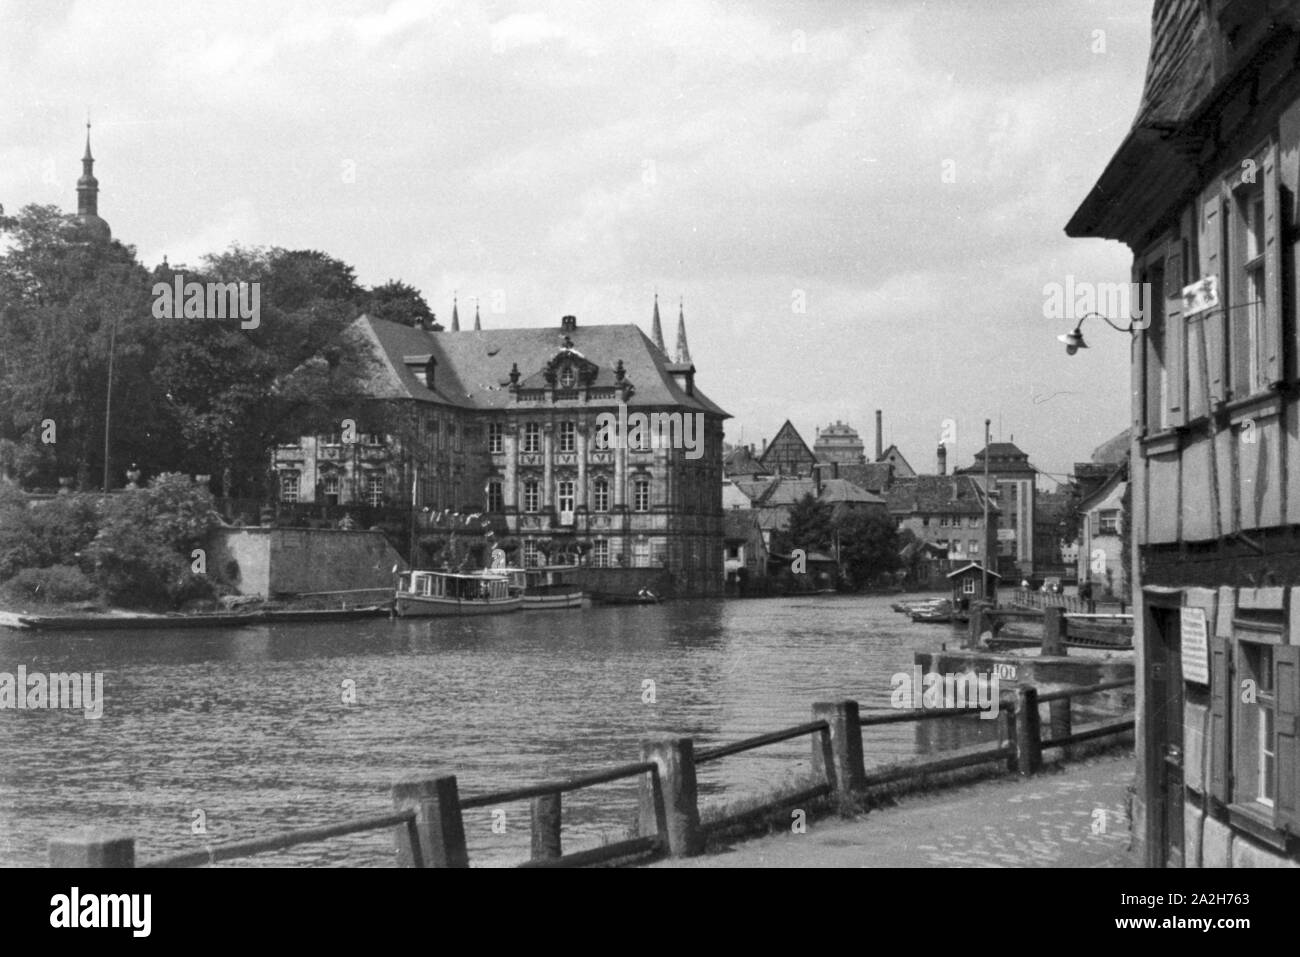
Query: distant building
x=839, y=443
x=744, y=550
x=1015, y=487
x=788, y=453
x=506, y=425
x=893, y=456
x=1101, y=539
x=946, y=514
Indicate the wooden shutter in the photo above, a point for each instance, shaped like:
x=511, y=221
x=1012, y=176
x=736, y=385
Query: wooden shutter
x=1175, y=337
x=1272, y=358
x=1212, y=264
x=1286, y=742
x=1094, y=522
x=1137, y=367
x=1220, y=710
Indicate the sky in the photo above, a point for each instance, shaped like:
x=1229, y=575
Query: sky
x=859, y=205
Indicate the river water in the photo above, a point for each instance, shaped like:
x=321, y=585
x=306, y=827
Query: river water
x=212, y=736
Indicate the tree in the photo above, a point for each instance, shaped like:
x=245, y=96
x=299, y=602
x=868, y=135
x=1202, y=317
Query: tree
x=869, y=545
x=809, y=528
x=398, y=302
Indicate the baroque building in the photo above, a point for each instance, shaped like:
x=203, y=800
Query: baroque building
x=573, y=439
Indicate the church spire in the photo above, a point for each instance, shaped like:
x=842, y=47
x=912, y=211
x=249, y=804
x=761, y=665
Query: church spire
x=657, y=331
x=455, y=315
x=683, y=351
x=478, y=326
x=87, y=186
x=91, y=226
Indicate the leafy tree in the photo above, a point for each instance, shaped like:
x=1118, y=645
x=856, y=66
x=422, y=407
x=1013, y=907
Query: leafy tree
x=809, y=528
x=398, y=302
x=65, y=305
x=869, y=545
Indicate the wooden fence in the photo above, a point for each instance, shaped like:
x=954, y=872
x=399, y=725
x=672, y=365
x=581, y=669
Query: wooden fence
x=428, y=826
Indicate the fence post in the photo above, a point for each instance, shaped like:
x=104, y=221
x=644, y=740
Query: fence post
x=546, y=827
x=976, y=627
x=1054, y=630
x=1029, y=741
x=1007, y=715
x=674, y=814
x=840, y=761
x=436, y=802
x=92, y=848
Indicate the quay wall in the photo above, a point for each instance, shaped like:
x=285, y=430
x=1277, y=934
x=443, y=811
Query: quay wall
x=271, y=561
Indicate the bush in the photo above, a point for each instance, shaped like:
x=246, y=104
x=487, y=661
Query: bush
x=53, y=585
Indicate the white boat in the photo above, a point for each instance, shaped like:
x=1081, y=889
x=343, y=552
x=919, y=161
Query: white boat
x=422, y=594
x=541, y=588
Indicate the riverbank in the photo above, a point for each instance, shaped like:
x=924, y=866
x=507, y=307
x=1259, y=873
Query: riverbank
x=1071, y=815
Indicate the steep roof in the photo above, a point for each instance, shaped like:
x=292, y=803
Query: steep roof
x=894, y=456
x=1162, y=157
x=741, y=461
x=937, y=494
x=1004, y=457
x=1118, y=477
x=873, y=476
x=473, y=367
x=842, y=490
x=787, y=438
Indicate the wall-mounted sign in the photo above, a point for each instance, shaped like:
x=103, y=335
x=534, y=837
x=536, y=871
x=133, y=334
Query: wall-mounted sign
x=1200, y=296
x=1195, y=646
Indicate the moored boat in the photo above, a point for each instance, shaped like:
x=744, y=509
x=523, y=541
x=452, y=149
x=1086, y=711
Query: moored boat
x=542, y=588
x=940, y=611
x=423, y=594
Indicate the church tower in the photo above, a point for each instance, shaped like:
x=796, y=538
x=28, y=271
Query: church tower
x=91, y=226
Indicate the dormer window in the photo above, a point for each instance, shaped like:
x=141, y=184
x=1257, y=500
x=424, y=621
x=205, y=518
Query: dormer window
x=567, y=377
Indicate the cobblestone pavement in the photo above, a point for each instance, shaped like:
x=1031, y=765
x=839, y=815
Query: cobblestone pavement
x=1073, y=816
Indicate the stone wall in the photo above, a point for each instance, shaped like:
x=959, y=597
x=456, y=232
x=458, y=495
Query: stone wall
x=271, y=561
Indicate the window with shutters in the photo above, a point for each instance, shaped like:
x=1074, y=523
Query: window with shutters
x=1251, y=286
x=1249, y=292
x=1255, y=730
x=1108, y=522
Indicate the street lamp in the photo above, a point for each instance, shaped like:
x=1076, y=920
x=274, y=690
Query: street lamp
x=1074, y=338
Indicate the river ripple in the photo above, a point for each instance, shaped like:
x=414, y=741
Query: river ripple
x=248, y=726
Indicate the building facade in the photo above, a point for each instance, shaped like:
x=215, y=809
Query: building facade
x=839, y=443
x=582, y=440
x=946, y=515
x=1015, y=488
x=1202, y=191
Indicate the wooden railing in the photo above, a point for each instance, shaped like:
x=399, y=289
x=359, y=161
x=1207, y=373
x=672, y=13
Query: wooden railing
x=428, y=825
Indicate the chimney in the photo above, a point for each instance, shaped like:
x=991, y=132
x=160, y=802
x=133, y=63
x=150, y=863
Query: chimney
x=569, y=324
x=764, y=452
x=880, y=438
x=943, y=459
